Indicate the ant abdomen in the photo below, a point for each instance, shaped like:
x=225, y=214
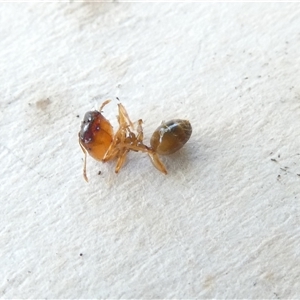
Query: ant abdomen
x=170, y=136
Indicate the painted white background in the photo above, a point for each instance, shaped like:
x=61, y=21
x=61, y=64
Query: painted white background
x=225, y=221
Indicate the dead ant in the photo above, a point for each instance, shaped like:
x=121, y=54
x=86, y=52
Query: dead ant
x=96, y=137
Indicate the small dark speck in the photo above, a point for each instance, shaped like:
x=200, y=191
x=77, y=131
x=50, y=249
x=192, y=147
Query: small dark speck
x=118, y=98
x=77, y=116
x=99, y=173
x=278, y=155
x=246, y=77
x=259, y=76
x=298, y=174
x=81, y=254
x=278, y=177
x=254, y=284
x=273, y=159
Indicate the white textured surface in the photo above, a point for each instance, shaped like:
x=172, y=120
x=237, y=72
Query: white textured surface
x=223, y=223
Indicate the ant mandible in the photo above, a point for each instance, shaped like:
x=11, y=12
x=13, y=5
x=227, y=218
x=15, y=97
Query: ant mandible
x=96, y=137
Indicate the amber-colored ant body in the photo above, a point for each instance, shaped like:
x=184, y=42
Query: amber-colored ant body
x=96, y=138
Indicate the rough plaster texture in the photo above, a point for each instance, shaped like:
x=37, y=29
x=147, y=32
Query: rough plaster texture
x=223, y=223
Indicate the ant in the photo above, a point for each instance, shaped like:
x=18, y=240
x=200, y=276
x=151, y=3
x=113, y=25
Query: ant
x=96, y=137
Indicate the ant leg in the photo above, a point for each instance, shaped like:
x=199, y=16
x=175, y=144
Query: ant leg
x=121, y=160
x=140, y=133
x=123, y=117
x=110, y=154
x=157, y=162
x=103, y=104
x=84, y=163
x=114, y=148
x=137, y=140
x=135, y=148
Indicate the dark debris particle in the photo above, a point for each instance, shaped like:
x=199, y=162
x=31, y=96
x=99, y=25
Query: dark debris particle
x=276, y=295
x=99, y=173
x=298, y=174
x=77, y=116
x=81, y=254
x=273, y=159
